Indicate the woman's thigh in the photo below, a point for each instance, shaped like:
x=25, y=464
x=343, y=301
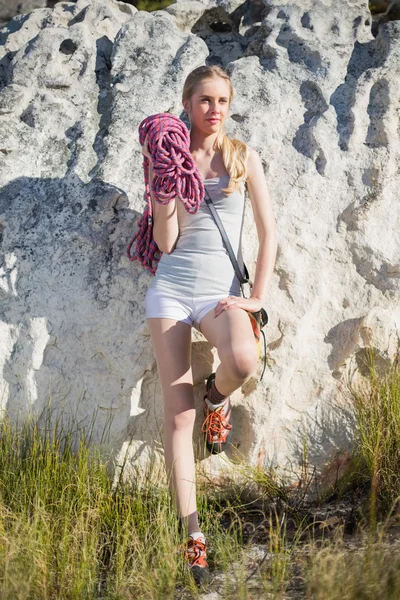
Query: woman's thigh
x=171, y=341
x=232, y=335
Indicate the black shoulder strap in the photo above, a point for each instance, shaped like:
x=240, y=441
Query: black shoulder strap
x=225, y=239
x=234, y=262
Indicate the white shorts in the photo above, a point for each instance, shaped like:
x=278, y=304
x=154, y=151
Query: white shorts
x=162, y=304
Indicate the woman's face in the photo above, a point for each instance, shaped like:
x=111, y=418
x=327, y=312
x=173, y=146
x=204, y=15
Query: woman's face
x=209, y=105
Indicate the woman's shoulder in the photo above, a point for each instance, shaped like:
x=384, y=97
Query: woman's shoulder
x=249, y=155
x=252, y=155
x=253, y=162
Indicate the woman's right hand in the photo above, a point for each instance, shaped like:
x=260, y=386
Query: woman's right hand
x=165, y=217
x=145, y=148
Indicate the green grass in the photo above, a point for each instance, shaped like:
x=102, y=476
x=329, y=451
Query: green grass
x=377, y=434
x=151, y=5
x=68, y=531
x=368, y=572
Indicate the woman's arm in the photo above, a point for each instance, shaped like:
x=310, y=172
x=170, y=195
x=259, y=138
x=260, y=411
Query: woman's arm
x=165, y=221
x=165, y=216
x=265, y=224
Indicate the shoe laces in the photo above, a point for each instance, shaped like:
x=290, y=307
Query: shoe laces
x=195, y=552
x=215, y=421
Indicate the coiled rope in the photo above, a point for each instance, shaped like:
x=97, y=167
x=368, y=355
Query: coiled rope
x=175, y=174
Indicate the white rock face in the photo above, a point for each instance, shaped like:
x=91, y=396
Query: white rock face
x=315, y=94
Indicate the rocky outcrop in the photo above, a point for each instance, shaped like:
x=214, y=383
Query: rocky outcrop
x=315, y=94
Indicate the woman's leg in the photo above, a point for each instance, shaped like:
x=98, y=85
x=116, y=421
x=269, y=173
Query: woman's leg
x=232, y=335
x=172, y=347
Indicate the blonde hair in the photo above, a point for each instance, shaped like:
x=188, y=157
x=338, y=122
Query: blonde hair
x=234, y=152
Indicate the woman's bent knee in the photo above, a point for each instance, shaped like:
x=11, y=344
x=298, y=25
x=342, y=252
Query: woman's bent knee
x=242, y=363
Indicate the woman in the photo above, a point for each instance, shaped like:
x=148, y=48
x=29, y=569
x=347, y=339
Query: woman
x=195, y=285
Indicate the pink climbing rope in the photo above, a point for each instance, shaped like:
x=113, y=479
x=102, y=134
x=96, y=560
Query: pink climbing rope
x=175, y=174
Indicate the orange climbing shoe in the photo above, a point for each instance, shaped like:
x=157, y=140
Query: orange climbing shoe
x=217, y=425
x=196, y=557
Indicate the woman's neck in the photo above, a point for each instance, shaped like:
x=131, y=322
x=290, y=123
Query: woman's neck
x=202, y=145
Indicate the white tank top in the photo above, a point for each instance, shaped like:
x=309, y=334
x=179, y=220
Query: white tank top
x=199, y=264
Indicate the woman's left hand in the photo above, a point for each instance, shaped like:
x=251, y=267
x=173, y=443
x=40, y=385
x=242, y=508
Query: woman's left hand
x=249, y=304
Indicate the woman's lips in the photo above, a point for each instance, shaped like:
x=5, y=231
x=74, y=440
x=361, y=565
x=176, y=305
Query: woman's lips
x=213, y=120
